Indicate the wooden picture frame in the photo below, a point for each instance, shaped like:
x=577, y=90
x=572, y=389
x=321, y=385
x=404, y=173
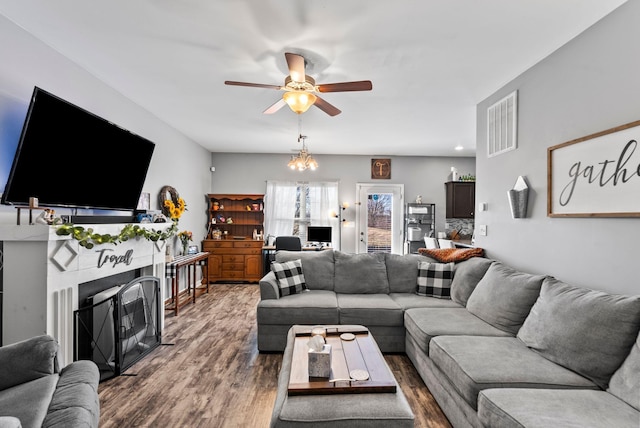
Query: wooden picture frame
x=381, y=169
x=596, y=176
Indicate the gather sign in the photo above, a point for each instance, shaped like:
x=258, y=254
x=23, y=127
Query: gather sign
x=596, y=176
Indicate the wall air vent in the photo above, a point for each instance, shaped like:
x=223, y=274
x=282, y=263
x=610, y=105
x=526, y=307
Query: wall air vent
x=502, y=125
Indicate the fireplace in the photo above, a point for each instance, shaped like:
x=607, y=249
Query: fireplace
x=118, y=326
x=47, y=277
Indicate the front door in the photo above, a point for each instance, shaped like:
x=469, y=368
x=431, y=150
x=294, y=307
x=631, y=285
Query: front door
x=379, y=218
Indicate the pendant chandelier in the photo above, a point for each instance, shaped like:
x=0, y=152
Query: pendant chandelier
x=303, y=160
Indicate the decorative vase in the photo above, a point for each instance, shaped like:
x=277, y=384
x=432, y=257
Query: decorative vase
x=185, y=248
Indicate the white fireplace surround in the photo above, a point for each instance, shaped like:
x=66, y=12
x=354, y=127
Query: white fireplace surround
x=43, y=272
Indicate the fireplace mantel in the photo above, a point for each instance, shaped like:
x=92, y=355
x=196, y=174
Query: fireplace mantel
x=43, y=271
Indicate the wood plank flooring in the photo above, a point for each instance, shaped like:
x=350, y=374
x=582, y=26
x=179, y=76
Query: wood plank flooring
x=208, y=372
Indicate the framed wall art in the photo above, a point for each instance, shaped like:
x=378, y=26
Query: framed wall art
x=596, y=176
x=381, y=169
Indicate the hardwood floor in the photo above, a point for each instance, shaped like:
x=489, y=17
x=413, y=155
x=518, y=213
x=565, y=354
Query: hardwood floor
x=209, y=373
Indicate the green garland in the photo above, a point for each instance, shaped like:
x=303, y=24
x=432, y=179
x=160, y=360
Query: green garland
x=86, y=238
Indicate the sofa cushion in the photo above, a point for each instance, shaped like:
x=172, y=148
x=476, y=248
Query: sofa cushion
x=625, y=382
x=543, y=408
x=29, y=401
x=588, y=331
x=466, y=276
x=474, y=363
x=434, y=279
x=30, y=359
x=369, y=309
x=504, y=297
x=425, y=324
x=361, y=273
x=311, y=307
x=318, y=267
x=412, y=300
x=402, y=271
x=290, y=277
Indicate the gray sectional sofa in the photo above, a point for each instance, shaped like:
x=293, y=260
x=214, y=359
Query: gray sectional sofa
x=509, y=349
x=35, y=393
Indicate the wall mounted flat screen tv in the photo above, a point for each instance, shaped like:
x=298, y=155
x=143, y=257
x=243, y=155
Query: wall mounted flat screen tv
x=69, y=157
x=319, y=234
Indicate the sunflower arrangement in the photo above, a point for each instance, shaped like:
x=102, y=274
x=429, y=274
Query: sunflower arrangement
x=175, y=210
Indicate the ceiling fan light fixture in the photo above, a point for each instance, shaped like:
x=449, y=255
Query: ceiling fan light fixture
x=299, y=101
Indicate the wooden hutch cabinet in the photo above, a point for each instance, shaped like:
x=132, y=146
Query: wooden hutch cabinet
x=234, y=254
x=461, y=199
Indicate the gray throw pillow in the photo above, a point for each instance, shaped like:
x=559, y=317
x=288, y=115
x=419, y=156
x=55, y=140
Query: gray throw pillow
x=361, y=273
x=504, y=297
x=625, y=382
x=466, y=276
x=587, y=331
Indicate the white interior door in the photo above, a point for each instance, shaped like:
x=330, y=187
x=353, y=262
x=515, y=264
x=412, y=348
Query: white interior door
x=379, y=218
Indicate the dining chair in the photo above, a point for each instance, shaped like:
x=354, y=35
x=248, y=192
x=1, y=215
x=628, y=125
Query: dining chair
x=446, y=243
x=290, y=243
x=430, y=243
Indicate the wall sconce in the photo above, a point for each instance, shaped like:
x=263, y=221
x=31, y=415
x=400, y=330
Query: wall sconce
x=339, y=215
x=518, y=198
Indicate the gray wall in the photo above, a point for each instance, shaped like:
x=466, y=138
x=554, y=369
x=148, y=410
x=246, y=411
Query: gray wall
x=177, y=161
x=425, y=176
x=589, y=85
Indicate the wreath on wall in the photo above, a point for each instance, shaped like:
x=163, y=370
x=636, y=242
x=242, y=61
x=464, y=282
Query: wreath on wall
x=171, y=204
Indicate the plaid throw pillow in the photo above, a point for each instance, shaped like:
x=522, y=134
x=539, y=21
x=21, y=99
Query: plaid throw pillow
x=434, y=279
x=290, y=277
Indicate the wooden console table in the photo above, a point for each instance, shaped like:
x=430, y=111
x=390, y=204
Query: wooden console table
x=172, y=270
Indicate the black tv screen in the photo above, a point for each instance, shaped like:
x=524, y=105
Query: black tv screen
x=319, y=233
x=69, y=157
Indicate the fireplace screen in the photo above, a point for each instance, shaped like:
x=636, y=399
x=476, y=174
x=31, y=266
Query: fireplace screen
x=119, y=326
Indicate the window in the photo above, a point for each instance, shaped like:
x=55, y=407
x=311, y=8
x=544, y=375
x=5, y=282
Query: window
x=291, y=206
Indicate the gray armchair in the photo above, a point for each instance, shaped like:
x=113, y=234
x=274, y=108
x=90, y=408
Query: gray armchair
x=35, y=393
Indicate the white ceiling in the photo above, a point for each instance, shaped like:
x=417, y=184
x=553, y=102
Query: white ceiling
x=430, y=61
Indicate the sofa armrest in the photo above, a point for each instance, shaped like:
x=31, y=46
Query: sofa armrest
x=75, y=402
x=27, y=360
x=269, y=287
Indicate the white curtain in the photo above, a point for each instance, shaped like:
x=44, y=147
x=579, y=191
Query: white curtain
x=280, y=208
x=324, y=206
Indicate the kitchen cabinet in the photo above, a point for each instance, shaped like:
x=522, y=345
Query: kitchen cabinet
x=461, y=199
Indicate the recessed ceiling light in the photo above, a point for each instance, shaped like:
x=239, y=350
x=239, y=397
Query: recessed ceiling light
x=459, y=147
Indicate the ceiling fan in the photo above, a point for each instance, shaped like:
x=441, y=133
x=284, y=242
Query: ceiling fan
x=300, y=89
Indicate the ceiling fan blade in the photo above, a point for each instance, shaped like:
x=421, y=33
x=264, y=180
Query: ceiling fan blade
x=253, y=85
x=296, y=66
x=330, y=109
x=275, y=107
x=362, y=85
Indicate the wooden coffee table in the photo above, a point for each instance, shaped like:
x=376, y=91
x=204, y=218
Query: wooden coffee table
x=360, y=353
